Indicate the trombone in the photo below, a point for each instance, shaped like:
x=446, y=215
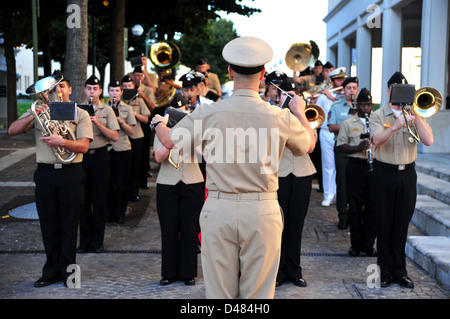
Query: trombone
x=427, y=102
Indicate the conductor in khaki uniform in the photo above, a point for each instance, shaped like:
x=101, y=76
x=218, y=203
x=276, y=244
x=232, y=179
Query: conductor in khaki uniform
x=395, y=182
x=59, y=188
x=295, y=182
x=241, y=221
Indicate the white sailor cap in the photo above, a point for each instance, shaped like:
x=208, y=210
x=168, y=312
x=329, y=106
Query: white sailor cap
x=247, y=55
x=338, y=73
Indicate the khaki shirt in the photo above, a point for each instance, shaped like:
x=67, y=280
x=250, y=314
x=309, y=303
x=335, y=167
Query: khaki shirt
x=189, y=172
x=105, y=115
x=126, y=114
x=81, y=127
x=138, y=105
x=214, y=83
x=299, y=166
x=148, y=91
x=350, y=133
x=399, y=149
x=242, y=139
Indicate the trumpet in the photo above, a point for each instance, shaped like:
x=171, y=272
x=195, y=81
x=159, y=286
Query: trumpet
x=427, y=102
x=308, y=95
x=315, y=115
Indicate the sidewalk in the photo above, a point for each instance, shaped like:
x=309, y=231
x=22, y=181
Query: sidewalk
x=130, y=266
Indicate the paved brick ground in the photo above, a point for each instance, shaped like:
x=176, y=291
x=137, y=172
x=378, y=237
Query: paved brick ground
x=130, y=266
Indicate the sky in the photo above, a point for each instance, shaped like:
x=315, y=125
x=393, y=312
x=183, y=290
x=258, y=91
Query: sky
x=282, y=23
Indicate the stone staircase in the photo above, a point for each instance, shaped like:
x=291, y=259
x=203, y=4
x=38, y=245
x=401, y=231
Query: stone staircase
x=432, y=217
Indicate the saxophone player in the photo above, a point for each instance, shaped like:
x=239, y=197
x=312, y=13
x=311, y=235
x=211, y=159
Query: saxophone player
x=59, y=187
x=354, y=140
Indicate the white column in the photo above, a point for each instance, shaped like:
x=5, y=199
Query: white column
x=344, y=54
x=392, y=46
x=363, y=56
x=434, y=44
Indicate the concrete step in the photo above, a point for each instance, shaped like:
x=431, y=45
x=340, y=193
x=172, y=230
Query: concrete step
x=437, y=165
x=432, y=217
x=434, y=187
x=431, y=253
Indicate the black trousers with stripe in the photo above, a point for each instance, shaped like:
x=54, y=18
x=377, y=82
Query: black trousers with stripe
x=395, y=200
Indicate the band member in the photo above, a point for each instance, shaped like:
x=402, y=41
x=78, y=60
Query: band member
x=309, y=82
x=96, y=165
x=190, y=90
x=213, y=82
x=295, y=180
x=120, y=155
x=148, y=95
x=180, y=193
x=339, y=112
x=325, y=100
x=142, y=113
x=395, y=182
x=327, y=68
x=354, y=140
x=59, y=188
x=274, y=79
x=241, y=221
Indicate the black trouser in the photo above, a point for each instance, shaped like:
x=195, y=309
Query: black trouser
x=118, y=184
x=92, y=218
x=293, y=196
x=316, y=158
x=360, y=201
x=179, y=209
x=395, y=200
x=136, y=164
x=145, y=155
x=58, y=193
x=341, y=160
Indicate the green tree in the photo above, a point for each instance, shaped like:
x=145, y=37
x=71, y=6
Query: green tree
x=208, y=43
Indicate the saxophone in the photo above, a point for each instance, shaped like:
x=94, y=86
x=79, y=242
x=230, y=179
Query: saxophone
x=46, y=90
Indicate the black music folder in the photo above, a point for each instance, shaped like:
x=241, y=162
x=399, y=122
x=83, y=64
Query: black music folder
x=87, y=107
x=402, y=94
x=63, y=111
x=129, y=94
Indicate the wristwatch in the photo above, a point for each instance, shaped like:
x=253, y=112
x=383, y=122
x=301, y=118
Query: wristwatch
x=153, y=126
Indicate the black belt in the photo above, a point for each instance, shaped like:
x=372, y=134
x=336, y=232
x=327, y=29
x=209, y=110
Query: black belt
x=58, y=165
x=93, y=151
x=396, y=167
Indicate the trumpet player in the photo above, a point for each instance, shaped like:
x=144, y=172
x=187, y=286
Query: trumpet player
x=354, y=140
x=59, y=187
x=96, y=166
x=395, y=182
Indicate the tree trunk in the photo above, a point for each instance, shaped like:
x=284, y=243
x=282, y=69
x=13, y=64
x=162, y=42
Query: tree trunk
x=117, y=36
x=10, y=65
x=77, y=47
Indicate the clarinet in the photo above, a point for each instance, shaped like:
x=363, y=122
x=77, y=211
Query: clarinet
x=369, y=151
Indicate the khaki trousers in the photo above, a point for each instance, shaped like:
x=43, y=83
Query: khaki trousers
x=241, y=240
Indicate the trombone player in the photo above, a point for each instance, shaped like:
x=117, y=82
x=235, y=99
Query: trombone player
x=59, y=187
x=395, y=183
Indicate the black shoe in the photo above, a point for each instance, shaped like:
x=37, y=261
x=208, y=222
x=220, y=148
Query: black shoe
x=98, y=249
x=300, y=282
x=343, y=224
x=121, y=220
x=385, y=282
x=405, y=282
x=353, y=252
x=279, y=283
x=146, y=186
x=46, y=281
x=189, y=282
x=371, y=252
x=83, y=250
x=166, y=281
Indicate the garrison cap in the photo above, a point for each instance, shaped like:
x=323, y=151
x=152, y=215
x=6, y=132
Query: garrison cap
x=350, y=80
x=328, y=65
x=92, y=80
x=288, y=84
x=247, y=55
x=178, y=101
x=364, y=96
x=338, y=73
x=138, y=69
x=397, y=78
x=114, y=84
x=127, y=78
x=318, y=63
